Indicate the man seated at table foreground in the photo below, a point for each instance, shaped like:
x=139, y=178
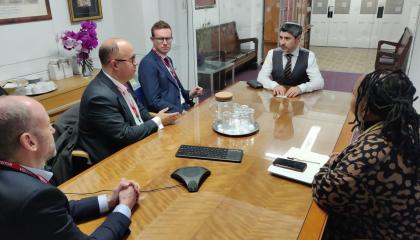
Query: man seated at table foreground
x=290, y=70
x=111, y=118
x=372, y=189
x=31, y=207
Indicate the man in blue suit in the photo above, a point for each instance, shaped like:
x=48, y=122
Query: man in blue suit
x=160, y=84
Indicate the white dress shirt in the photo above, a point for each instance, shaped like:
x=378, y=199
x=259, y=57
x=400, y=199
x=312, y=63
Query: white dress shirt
x=315, y=79
x=102, y=199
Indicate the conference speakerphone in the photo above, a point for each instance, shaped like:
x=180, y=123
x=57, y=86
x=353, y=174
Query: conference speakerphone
x=210, y=153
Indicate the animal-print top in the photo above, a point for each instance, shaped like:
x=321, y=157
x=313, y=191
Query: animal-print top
x=368, y=193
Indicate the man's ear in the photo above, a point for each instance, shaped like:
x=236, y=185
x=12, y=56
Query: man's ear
x=114, y=64
x=28, y=141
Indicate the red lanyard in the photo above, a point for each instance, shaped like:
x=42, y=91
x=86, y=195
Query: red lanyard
x=131, y=102
x=19, y=168
x=168, y=65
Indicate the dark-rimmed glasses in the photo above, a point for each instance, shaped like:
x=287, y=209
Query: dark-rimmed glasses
x=162, y=39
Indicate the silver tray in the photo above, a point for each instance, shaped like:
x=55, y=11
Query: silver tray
x=217, y=127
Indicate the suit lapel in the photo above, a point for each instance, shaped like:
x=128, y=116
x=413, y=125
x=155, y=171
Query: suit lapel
x=120, y=98
x=163, y=68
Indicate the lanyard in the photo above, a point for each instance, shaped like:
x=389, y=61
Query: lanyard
x=130, y=101
x=19, y=168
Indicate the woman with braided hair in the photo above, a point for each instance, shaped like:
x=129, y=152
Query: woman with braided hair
x=372, y=188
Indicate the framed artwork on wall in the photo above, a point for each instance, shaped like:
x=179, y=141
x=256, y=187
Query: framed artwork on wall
x=19, y=11
x=81, y=10
x=199, y=4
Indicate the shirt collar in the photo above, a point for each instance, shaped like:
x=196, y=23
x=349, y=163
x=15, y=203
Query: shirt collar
x=118, y=84
x=45, y=174
x=159, y=54
x=294, y=53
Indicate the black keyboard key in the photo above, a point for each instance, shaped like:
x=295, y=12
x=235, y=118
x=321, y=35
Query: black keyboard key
x=210, y=153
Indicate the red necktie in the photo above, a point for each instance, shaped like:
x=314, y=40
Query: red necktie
x=171, y=69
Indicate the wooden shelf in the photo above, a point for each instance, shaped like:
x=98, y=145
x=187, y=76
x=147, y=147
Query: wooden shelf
x=69, y=92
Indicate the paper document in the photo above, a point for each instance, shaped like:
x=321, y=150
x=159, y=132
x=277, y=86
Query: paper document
x=313, y=160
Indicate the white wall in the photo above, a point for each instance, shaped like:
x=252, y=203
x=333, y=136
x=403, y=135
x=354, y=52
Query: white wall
x=248, y=15
x=414, y=66
x=27, y=47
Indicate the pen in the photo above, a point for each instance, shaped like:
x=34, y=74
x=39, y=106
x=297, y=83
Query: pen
x=301, y=160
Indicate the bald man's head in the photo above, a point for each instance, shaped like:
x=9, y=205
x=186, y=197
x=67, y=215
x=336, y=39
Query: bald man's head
x=110, y=48
x=15, y=118
x=21, y=116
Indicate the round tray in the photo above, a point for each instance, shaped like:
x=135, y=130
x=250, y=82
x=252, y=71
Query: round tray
x=217, y=128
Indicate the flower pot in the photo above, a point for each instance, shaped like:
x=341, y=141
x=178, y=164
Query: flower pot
x=86, y=72
x=77, y=68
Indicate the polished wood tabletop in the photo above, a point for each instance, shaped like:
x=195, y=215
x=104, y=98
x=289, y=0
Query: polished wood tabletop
x=237, y=201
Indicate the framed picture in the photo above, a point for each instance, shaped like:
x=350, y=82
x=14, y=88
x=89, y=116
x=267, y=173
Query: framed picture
x=81, y=10
x=199, y=4
x=18, y=11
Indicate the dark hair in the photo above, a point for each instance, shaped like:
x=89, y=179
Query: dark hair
x=292, y=28
x=159, y=25
x=106, y=50
x=390, y=95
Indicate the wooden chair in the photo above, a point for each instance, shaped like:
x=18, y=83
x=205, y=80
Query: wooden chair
x=393, y=58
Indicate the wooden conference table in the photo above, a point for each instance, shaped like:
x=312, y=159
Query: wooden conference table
x=237, y=201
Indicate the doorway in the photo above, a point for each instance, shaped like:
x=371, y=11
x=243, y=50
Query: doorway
x=345, y=33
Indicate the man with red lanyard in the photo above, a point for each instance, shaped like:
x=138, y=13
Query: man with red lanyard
x=111, y=118
x=31, y=207
x=159, y=82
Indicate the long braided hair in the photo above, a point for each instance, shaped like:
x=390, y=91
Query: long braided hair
x=390, y=95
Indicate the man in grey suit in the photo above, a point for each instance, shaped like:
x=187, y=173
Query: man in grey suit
x=111, y=118
x=31, y=207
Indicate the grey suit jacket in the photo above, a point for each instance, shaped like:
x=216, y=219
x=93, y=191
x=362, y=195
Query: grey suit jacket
x=106, y=124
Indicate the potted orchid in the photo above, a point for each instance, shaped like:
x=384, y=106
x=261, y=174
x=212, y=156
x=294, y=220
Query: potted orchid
x=83, y=42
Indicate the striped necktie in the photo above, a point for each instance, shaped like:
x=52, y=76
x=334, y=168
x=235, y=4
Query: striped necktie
x=171, y=69
x=288, y=68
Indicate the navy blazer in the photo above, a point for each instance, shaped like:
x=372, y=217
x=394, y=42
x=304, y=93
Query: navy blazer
x=159, y=88
x=32, y=209
x=106, y=124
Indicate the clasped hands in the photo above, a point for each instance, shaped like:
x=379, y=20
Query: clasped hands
x=127, y=192
x=280, y=90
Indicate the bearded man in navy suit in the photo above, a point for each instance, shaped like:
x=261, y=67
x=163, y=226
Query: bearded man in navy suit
x=159, y=82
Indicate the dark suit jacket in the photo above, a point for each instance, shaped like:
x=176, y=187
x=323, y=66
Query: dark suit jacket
x=32, y=209
x=159, y=88
x=106, y=124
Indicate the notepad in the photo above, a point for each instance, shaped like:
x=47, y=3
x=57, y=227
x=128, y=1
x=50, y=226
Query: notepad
x=313, y=160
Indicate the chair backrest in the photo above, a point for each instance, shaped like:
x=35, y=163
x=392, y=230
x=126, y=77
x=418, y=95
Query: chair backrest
x=405, y=42
x=3, y=92
x=404, y=35
x=223, y=37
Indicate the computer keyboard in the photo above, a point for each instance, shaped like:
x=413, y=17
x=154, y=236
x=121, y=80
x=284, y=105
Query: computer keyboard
x=210, y=153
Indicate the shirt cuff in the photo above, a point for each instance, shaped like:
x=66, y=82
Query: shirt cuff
x=103, y=204
x=123, y=209
x=158, y=122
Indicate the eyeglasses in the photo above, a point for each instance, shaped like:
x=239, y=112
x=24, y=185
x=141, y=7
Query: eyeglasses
x=162, y=39
x=132, y=60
